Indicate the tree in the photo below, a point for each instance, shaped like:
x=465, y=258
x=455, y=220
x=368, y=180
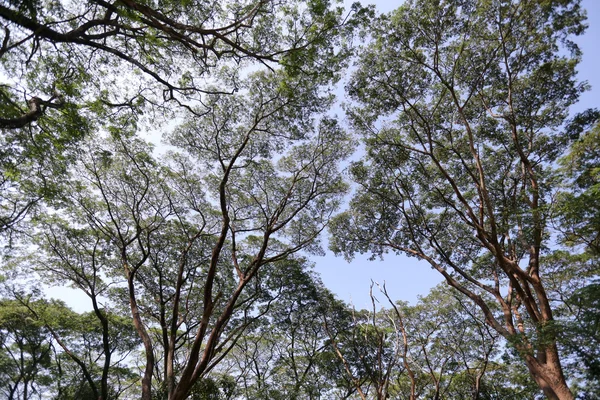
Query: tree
x=26, y=352
x=177, y=244
x=458, y=354
x=461, y=172
x=369, y=349
x=182, y=241
x=281, y=355
x=49, y=350
x=436, y=349
x=95, y=343
x=580, y=337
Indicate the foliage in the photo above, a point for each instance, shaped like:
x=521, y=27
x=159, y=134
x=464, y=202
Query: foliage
x=70, y=68
x=26, y=352
x=578, y=210
x=195, y=256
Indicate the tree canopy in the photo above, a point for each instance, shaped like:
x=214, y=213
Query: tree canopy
x=194, y=254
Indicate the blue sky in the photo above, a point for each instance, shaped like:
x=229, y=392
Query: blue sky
x=407, y=278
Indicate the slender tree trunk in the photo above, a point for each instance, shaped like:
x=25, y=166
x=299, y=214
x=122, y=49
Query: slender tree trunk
x=146, y=340
x=477, y=386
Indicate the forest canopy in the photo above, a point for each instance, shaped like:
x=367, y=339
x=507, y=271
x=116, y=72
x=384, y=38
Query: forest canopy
x=195, y=251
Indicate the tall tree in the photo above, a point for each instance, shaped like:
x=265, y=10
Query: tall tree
x=459, y=169
x=49, y=350
x=182, y=241
x=178, y=244
x=94, y=344
x=438, y=348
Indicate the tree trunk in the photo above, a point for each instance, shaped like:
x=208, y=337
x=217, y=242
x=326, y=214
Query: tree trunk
x=550, y=378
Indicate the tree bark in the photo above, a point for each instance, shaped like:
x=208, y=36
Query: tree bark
x=549, y=377
x=35, y=111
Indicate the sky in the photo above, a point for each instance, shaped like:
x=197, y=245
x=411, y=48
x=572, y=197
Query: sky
x=406, y=278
